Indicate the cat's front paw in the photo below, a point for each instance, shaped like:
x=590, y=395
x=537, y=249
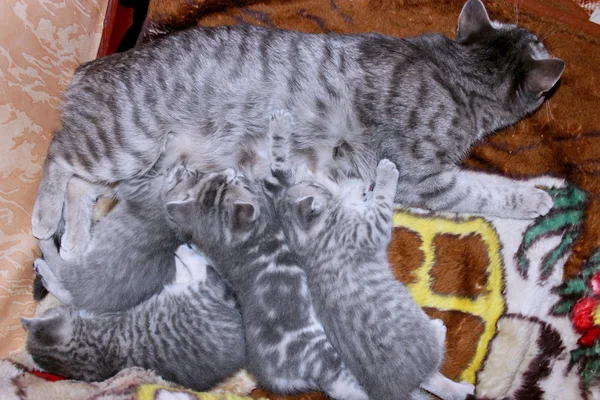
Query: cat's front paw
x=537, y=202
x=43, y=226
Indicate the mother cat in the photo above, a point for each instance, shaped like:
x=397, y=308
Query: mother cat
x=420, y=102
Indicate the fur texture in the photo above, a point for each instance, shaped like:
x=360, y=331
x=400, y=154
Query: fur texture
x=191, y=333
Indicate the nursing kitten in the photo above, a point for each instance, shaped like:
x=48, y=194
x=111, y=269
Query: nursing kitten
x=421, y=102
x=232, y=221
x=129, y=258
x=190, y=333
x=383, y=336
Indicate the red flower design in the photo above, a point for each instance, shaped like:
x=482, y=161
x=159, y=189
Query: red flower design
x=589, y=337
x=595, y=283
x=583, y=313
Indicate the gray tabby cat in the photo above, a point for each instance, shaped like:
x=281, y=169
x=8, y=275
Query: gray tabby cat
x=382, y=335
x=421, y=102
x=232, y=221
x=385, y=339
x=129, y=258
x=190, y=334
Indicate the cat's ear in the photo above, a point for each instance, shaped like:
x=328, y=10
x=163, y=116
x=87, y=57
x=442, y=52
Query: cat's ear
x=472, y=21
x=308, y=209
x=47, y=330
x=244, y=215
x=543, y=75
x=180, y=211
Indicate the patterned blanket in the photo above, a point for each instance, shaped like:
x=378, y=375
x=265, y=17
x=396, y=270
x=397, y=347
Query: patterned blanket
x=521, y=299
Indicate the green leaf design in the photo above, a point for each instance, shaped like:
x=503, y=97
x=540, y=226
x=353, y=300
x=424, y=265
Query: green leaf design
x=565, y=218
x=563, y=307
x=590, y=371
x=576, y=286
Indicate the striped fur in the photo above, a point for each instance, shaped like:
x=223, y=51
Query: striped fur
x=232, y=220
x=190, y=334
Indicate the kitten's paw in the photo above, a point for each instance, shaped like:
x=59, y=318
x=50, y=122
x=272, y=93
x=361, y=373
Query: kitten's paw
x=440, y=330
x=281, y=124
x=51, y=281
x=386, y=172
x=180, y=173
x=467, y=388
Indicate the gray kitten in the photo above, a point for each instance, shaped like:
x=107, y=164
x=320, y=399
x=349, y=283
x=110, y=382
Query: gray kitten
x=129, y=258
x=383, y=336
x=190, y=334
x=232, y=221
x=421, y=102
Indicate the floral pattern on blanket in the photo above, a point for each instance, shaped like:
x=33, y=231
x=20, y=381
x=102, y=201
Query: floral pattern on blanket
x=41, y=44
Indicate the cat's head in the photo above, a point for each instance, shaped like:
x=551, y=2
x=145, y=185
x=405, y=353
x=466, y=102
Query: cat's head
x=215, y=209
x=517, y=66
x=304, y=209
x=49, y=340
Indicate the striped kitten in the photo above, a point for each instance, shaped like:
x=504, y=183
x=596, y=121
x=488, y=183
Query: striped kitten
x=190, y=333
x=232, y=220
x=129, y=257
x=421, y=102
x=382, y=335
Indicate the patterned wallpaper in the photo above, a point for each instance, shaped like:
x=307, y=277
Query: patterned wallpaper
x=41, y=43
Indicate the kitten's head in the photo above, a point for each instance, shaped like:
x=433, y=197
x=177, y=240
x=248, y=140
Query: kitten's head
x=305, y=209
x=215, y=209
x=517, y=66
x=49, y=341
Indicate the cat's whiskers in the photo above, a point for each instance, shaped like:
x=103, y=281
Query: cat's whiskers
x=549, y=111
x=553, y=28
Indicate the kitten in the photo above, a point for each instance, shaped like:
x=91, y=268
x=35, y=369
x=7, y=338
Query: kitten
x=190, y=333
x=421, y=102
x=129, y=258
x=232, y=221
x=341, y=235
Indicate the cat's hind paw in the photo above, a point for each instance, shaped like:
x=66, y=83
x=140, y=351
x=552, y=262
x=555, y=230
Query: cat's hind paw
x=51, y=282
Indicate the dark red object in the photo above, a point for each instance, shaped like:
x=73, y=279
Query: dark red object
x=48, y=376
x=589, y=337
x=583, y=313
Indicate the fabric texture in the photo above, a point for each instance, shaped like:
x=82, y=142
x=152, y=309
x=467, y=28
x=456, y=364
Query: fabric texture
x=41, y=44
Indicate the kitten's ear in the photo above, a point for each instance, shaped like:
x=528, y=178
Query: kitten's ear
x=244, y=215
x=308, y=209
x=472, y=21
x=543, y=75
x=180, y=211
x=46, y=330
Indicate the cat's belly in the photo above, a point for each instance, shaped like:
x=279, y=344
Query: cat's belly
x=231, y=138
